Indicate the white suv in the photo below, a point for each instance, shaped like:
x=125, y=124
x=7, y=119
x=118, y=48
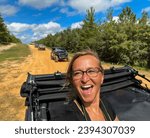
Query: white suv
x=41, y=47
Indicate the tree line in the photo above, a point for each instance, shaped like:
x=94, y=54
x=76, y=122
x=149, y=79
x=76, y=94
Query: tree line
x=5, y=36
x=125, y=41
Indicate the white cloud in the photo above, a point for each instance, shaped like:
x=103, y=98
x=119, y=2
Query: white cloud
x=115, y=18
x=18, y=27
x=8, y=10
x=30, y=32
x=38, y=4
x=147, y=9
x=42, y=30
x=77, y=25
x=50, y=27
x=67, y=12
x=98, y=5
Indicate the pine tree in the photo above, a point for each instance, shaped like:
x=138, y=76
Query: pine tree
x=4, y=33
x=89, y=22
x=110, y=14
x=89, y=30
x=127, y=16
x=144, y=19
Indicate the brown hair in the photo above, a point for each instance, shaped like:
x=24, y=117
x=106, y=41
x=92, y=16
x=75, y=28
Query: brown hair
x=77, y=55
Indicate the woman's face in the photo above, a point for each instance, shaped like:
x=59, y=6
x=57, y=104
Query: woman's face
x=87, y=87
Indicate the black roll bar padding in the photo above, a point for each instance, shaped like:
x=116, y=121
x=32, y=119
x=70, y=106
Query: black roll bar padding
x=54, y=97
x=116, y=86
x=51, y=83
x=117, y=75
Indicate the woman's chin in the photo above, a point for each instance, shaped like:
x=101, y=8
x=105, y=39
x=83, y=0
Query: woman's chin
x=87, y=98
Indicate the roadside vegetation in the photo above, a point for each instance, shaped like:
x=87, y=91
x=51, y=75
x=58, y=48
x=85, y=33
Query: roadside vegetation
x=122, y=41
x=17, y=52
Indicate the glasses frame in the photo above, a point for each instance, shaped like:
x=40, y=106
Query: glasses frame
x=86, y=71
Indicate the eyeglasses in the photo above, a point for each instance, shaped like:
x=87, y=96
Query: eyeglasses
x=91, y=72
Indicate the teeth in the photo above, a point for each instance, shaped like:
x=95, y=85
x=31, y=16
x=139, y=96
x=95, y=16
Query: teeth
x=86, y=86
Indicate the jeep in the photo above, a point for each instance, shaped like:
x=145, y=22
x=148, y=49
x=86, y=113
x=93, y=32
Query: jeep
x=59, y=54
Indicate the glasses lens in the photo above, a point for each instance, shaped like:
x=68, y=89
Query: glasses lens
x=77, y=74
x=93, y=72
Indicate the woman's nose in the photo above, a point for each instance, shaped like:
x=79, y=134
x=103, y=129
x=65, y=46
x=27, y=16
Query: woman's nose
x=84, y=77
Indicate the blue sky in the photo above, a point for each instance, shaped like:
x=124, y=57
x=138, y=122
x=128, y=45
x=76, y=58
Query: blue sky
x=31, y=20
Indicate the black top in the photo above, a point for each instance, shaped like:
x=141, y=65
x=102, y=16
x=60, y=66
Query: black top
x=60, y=111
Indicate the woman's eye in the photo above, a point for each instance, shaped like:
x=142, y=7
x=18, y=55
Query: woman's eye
x=77, y=73
x=91, y=71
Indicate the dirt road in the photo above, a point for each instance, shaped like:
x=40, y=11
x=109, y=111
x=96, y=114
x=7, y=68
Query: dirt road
x=13, y=74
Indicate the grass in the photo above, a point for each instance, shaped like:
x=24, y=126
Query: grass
x=8, y=110
x=121, y=65
x=17, y=52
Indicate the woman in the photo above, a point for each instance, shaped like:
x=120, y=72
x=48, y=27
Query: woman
x=86, y=75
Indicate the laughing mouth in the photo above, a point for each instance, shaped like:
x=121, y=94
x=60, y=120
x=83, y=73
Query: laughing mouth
x=86, y=87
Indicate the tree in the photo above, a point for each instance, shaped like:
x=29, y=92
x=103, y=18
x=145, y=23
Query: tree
x=5, y=36
x=89, y=30
x=89, y=22
x=144, y=18
x=127, y=16
x=126, y=41
x=4, y=33
x=13, y=39
x=143, y=34
x=109, y=14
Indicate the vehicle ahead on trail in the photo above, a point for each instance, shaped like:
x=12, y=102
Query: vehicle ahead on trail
x=36, y=45
x=41, y=47
x=59, y=54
